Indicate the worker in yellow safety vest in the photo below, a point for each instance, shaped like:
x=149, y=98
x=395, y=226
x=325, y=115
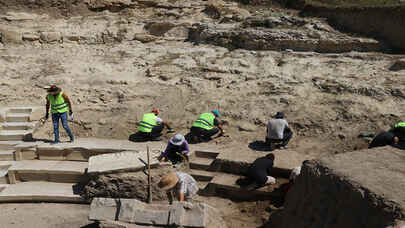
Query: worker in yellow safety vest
x=151, y=126
x=60, y=105
x=206, y=126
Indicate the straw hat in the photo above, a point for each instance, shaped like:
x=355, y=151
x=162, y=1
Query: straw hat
x=177, y=140
x=168, y=182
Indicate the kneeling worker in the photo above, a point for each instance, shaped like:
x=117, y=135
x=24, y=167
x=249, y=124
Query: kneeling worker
x=260, y=171
x=151, y=126
x=206, y=126
x=176, y=150
x=183, y=186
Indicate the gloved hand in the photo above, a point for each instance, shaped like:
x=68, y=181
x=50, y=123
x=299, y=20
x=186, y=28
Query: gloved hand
x=46, y=116
x=70, y=113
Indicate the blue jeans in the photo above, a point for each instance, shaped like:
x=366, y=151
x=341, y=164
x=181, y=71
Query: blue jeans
x=55, y=120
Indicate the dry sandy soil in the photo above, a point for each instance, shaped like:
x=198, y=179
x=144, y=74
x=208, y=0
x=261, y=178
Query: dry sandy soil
x=118, y=59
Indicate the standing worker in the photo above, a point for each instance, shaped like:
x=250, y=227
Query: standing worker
x=60, y=106
x=278, y=131
x=151, y=126
x=206, y=126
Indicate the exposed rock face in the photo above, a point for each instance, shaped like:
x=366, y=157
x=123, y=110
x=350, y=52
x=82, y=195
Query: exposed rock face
x=310, y=38
x=130, y=185
x=358, y=189
x=385, y=23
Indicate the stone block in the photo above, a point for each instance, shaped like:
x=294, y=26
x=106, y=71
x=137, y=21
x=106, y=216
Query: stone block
x=103, y=209
x=128, y=161
x=136, y=212
x=50, y=37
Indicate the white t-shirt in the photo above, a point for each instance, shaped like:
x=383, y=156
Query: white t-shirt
x=275, y=128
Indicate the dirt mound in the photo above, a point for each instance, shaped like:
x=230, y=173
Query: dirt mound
x=359, y=189
x=126, y=185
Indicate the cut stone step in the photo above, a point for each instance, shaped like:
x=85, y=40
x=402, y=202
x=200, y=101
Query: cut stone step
x=200, y=163
x=18, y=117
x=3, y=176
x=202, y=175
x=9, y=145
x=7, y=155
x=224, y=185
x=18, y=125
x=202, y=185
x=206, y=154
x=52, y=171
x=4, y=166
x=6, y=135
x=40, y=192
x=25, y=110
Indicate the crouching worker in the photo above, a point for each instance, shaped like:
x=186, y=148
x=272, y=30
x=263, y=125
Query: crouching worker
x=179, y=185
x=278, y=132
x=384, y=139
x=206, y=126
x=151, y=126
x=176, y=151
x=260, y=171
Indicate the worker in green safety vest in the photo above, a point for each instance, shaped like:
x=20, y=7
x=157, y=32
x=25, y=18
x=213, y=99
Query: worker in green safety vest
x=206, y=126
x=60, y=106
x=151, y=126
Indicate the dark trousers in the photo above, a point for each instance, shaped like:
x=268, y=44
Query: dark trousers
x=174, y=157
x=203, y=133
x=155, y=133
x=64, y=119
x=157, y=130
x=287, y=135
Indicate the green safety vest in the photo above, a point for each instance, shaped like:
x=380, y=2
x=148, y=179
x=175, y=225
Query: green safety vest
x=58, y=104
x=402, y=124
x=205, y=121
x=147, y=123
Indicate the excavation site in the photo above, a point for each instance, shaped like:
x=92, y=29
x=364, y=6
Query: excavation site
x=202, y=113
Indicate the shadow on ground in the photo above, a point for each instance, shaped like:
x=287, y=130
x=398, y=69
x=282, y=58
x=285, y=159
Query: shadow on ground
x=259, y=146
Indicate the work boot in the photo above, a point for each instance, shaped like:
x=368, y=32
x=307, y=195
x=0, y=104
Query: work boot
x=55, y=142
x=71, y=140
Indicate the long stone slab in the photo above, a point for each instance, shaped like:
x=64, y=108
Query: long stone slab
x=136, y=212
x=53, y=171
x=224, y=185
x=128, y=161
x=83, y=149
x=40, y=192
x=285, y=160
